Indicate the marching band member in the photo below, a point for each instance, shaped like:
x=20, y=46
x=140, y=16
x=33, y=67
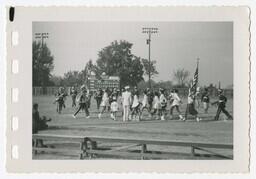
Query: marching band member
x=83, y=100
x=191, y=108
x=205, y=99
x=73, y=93
x=60, y=99
x=126, y=101
x=135, y=105
x=163, y=102
x=156, y=105
x=98, y=97
x=175, y=103
x=145, y=102
x=104, y=103
x=221, y=105
x=113, y=103
x=197, y=98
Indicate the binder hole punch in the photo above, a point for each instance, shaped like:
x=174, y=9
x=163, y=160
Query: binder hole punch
x=15, y=152
x=15, y=66
x=15, y=38
x=15, y=95
x=15, y=123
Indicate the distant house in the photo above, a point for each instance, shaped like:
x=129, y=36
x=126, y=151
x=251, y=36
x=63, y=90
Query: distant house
x=103, y=83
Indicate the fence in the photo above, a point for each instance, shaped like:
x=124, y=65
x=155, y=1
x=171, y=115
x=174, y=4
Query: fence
x=92, y=151
x=50, y=90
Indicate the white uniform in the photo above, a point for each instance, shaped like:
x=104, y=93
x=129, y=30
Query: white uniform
x=162, y=99
x=126, y=97
x=145, y=101
x=190, y=100
x=156, y=103
x=105, y=100
x=114, y=106
x=135, y=102
x=176, y=100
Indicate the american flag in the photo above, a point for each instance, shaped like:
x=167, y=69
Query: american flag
x=193, y=87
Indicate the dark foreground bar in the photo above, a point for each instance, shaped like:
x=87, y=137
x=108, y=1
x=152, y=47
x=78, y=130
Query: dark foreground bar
x=88, y=146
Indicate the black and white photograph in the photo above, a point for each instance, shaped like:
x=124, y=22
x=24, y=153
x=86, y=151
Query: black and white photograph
x=134, y=90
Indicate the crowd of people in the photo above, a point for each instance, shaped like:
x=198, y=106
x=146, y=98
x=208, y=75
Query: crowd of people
x=130, y=104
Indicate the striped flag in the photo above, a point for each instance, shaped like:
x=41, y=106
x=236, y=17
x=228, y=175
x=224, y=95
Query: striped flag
x=193, y=87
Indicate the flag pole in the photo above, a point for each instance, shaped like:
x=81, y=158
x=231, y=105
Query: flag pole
x=197, y=65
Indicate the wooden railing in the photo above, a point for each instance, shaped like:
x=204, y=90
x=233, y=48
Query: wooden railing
x=88, y=146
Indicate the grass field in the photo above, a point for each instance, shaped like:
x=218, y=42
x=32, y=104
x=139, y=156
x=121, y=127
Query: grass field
x=206, y=130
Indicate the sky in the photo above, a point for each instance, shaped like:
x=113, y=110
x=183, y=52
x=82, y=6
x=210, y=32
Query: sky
x=176, y=45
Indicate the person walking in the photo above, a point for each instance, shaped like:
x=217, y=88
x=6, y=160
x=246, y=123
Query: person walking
x=73, y=93
x=98, y=97
x=205, y=99
x=163, y=102
x=175, y=103
x=221, y=106
x=156, y=105
x=191, y=109
x=83, y=102
x=104, y=103
x=113, y=103
x=135, y=114
x=60, y=99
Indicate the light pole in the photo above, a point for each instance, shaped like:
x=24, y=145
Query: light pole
x=41, y=36
x=149, y=31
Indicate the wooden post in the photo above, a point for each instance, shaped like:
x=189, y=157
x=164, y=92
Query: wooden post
x=193, y=151
x=93, y=145
x=85, y=148
x=81, y=150
x=36, y=145
x=143, y=150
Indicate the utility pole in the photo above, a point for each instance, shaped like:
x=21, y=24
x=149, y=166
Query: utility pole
x=42, y=36
x=149, y=31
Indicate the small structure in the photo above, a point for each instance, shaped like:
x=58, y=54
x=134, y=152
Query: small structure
x=104, y=82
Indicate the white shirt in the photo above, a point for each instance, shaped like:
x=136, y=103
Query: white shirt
x=105, y=96
x=126, y=96
x=162, y=98
x=135, y=102
x=190, y=100
x=175, y=98
x=145, y=100
x=156, y=103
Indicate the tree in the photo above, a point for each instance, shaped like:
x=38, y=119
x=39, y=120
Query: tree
x=163, y=84
x=181, y=76
x=117, y=60
x=85, y=73
x=57, y=80
x=143, y=85
x=72, y=78
x=149, y=68
x=42, y=64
